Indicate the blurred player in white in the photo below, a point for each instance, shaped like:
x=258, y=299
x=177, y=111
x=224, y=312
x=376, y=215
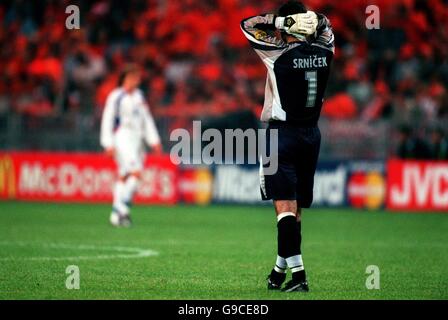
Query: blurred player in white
x=126, y=126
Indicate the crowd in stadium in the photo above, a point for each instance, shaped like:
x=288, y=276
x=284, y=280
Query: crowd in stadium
x=197, y=63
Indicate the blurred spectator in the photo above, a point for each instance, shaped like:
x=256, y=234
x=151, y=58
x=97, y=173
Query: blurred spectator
x=439, y=145
x=410, y=146
x=340, y=106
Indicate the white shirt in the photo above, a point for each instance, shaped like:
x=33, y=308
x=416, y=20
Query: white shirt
x=127, y=112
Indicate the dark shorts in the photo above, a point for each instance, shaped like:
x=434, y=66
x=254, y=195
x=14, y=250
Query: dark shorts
x=298, y=151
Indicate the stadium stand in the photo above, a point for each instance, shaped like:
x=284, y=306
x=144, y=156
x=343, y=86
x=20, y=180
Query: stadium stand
x=54, y=81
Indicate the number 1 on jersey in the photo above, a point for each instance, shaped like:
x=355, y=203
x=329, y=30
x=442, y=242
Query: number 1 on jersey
x=311, y=77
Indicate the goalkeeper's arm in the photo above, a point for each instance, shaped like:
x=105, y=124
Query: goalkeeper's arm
x=256, y=29
x=324, y=33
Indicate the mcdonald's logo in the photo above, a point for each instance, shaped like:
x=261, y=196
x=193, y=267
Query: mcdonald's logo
x=7, y=177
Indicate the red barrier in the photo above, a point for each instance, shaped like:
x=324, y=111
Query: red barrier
x=80, y=177
x=417, y=185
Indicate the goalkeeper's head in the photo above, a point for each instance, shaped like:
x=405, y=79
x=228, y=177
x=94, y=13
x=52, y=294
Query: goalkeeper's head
x=289, y=8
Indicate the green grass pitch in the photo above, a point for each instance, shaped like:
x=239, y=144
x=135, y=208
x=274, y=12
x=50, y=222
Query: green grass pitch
x=216, y=252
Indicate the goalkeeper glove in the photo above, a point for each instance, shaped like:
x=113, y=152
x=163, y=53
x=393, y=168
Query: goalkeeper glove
x=300, y=23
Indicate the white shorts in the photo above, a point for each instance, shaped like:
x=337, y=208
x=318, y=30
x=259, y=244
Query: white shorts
x=129, y=152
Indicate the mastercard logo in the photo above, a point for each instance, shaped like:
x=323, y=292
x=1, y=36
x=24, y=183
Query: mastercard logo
x=367, y=190
x=196, y=186
x=204, y=182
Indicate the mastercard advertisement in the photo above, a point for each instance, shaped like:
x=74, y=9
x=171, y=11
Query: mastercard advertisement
x=357, y=184
x=195, y=185
x=366, y=190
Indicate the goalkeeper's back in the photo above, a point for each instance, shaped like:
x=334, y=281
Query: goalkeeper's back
x=297, y=70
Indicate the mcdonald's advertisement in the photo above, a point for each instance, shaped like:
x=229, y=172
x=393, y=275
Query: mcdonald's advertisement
x=80, y=177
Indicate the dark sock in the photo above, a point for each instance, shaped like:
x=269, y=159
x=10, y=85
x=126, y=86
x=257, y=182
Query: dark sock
x=277, y=277
x=288, y=237
x=289, y=242
x=299, y=275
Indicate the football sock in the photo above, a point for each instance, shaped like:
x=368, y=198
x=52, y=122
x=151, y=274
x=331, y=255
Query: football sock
x=289, y=241
x=118, y=204
x=299, y=273
x=130, y=188
x=280, y=265
x=295, y=264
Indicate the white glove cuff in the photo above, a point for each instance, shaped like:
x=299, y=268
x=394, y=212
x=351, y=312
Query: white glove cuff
x=280, y=23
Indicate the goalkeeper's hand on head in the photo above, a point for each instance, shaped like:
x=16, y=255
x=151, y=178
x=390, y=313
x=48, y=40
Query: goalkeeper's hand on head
x=300, y=23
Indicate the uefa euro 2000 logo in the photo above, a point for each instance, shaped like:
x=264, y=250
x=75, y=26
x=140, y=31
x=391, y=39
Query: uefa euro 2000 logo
x=7, y=177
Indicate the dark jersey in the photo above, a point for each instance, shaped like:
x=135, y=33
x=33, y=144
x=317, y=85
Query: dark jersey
x=302, y=75
x=297, y=72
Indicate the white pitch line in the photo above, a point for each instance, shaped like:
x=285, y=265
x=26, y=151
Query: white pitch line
x=126, y=252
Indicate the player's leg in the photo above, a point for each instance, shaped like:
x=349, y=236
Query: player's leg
x=131, y=184
x=134, y=165
x=122, y=206
x=135, y=169
x=281, y=187
x=130, y=188
x=305, y=167
x=289, y=242
x=130, y=165
x=118, y=195
x=283, y=208
x=119, y=207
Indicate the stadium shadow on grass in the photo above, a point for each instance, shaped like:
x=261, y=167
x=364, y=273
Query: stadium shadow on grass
x=216, y=252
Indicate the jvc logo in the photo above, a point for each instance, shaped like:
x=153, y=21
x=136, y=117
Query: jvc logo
x=421, y=185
